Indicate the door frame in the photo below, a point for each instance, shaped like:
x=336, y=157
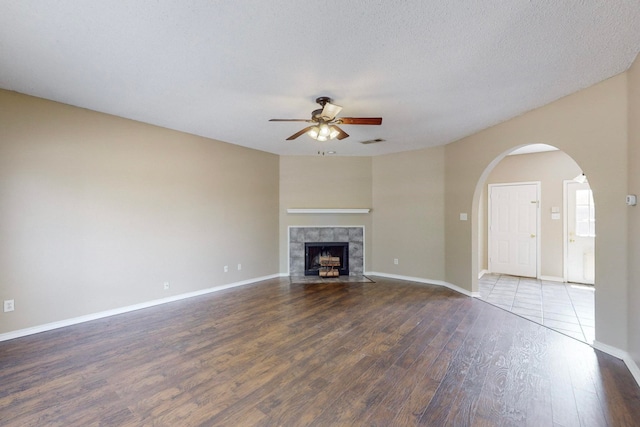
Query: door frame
x=538, y=185
x=565, y=230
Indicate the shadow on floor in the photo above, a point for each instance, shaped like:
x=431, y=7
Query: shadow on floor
x=565, y=307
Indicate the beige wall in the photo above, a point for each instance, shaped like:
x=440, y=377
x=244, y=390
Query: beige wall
x=405, y=192
x=96, y=212
x=324, y=182
x=550, y=169
x=634, y=212
x=591, y=127
x=408, y=215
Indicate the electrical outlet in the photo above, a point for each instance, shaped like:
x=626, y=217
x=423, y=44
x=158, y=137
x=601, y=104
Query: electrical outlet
x=226, y=268
x=9, y=305
x=239, y=267
x=166, y=285
x=395, y=261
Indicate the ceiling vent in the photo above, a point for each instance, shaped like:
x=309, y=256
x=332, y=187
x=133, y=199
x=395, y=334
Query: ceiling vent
x=372, y=141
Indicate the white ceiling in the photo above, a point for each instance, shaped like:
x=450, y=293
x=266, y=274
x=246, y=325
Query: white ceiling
x=435, y=71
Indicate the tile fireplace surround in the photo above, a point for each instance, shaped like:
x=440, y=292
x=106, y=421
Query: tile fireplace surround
x=298, y=236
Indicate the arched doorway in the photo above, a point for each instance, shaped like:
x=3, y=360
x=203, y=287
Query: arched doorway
x=540, y=292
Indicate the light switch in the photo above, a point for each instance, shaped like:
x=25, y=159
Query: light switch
x=463, y=217
x=555, y=209
x=555, y=216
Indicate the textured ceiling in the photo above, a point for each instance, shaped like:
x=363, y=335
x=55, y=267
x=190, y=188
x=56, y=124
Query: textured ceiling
x=435, y=71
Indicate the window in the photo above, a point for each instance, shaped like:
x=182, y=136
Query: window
x=585, y=214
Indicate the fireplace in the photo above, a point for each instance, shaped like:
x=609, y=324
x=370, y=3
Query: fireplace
x=315, y=251
x=352, y=236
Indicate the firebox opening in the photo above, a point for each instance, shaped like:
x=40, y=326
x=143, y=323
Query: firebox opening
x=313, y=251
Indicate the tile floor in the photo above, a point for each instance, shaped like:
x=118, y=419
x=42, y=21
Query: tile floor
x=565, y=307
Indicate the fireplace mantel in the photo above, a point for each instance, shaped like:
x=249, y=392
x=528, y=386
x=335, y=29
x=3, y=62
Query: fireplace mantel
x=328, y=211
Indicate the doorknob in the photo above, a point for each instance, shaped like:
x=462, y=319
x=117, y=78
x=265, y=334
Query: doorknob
x=533, y=235
x=572, y=240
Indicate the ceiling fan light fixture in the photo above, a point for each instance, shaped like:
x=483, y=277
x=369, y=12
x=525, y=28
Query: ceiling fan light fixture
x=324, y=131
x=314, y=132
x=324, y=123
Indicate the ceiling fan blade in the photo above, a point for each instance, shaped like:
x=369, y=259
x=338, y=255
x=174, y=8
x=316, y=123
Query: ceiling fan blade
x=330, y=111
x=297, y=134
x=291, y=120
x=360, y=120
x=342, y=134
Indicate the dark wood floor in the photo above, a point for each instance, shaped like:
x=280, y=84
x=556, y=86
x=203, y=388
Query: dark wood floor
x=389, y=353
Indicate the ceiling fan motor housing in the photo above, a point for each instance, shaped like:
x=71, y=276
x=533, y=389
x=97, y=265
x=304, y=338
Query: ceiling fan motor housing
x=322, y=100
x=316, y=115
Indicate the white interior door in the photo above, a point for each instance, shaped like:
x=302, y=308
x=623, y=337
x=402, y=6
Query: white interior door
x=513, y=229
x=581, y=233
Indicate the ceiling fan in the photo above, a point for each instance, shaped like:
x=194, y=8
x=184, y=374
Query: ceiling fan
x=325, y=123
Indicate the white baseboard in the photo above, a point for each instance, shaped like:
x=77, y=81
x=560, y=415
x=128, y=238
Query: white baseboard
x=633, y=367
x=426, y=281
x=620, y=354
x=482, y=273
x=94, y=316
x=552, y=278
x=613, y=351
